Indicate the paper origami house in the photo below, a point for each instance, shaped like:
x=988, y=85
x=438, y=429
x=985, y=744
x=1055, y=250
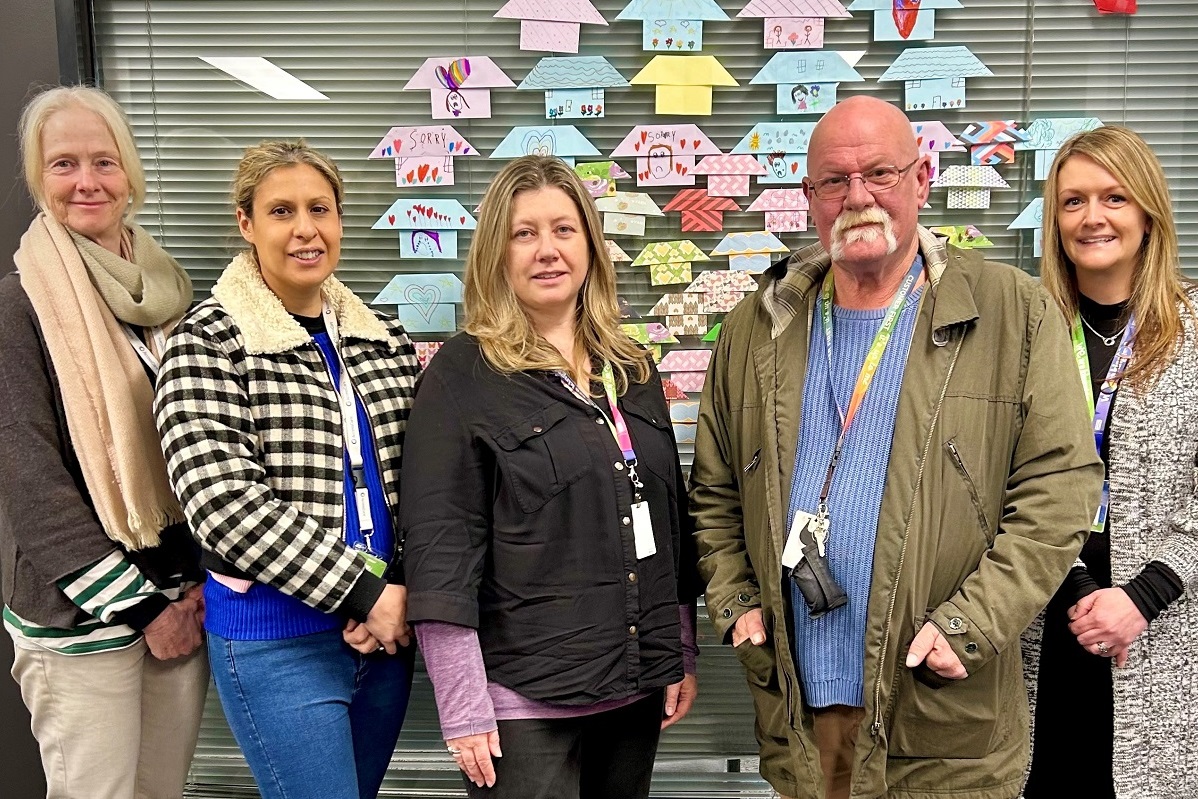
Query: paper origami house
x=903, y=20
x=600, y=177
x=966, y=237
x=722, y=289
x=427, y=228
x=564, y=141
x=682, y=313
x=423, y=155
x=785, y=209
x=700, y=211
x=461, y=86
x=616, y=253
x=665, y=154
x=794, y=24
x=969, y=186
x=425, y=350
x=573, y=86
x=781, y=147
x=992, y=143
x=934, y=77
x=684, y=414
x=749, y=252
x=425, y=303
x=933, y=138
x=807, y=81
x=648, y=333
x=624, y=212
x=669, y=261
x=687, y=368
x=1046, y=136
x=728, y=175
x=1032, y=218
x=684, y=82
x=551, y=25
x=674, y=26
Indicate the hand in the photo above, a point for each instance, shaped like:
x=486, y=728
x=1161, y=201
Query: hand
x=388, y=619
x=679, y=698
x=357, y=636
x=749, y=627
x=175, y=633
x=474, y=753
x=931, y=646
x=196, y=595
x=1107, y=616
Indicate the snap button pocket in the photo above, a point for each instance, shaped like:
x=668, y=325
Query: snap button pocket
x=619, y=466
x=727, y=613
x=743, y=598
x=971, y=647
x=955, y=624
x=632, y=630
x=632, y=577
x=538, y=429
x=626, y=521
x=599, y=421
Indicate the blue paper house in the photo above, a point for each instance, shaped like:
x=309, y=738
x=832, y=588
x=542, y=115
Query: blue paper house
x=573, y=86
x=1046, y=136
x=564, y=141
x=934, y=77
x=1032, y=218
x=427, y=228
x=673, y=26
x=807, y=80
x=903, y=20
x=781, y=147
x=424, y=303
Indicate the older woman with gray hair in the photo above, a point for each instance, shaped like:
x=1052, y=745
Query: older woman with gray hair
x=99, y=573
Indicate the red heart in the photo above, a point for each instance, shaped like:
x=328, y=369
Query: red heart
x=436, y=169
x=794, y=167
x=682, y=144
x=462, y=220
x=390, y=219
x=680, y=169
x=636, y=145
x=643, y=175
x=422, y=171
x=644, y=135
x=411, y=176
x=397, y=144
x=696, y=142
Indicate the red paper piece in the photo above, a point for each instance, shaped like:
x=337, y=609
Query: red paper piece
x=1115, y=6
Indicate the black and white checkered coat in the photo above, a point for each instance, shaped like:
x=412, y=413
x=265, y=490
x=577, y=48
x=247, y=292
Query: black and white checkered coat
x=251, y=430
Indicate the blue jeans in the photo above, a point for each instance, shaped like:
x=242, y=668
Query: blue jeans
x=314, y=718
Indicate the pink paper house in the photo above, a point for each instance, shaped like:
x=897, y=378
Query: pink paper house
x=460, y=85
x=728, y=175
x=794, y=24
x=665, y=154
x=785, y=209
x=551, y=25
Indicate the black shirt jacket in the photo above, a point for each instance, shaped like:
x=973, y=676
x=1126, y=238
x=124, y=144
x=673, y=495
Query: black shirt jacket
x=516, y=518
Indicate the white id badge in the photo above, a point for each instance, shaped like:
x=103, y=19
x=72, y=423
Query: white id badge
x=792, y=553
x=642, y=531
x=362, y=500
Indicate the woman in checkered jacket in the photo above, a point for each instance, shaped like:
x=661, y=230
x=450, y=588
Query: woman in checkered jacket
x=282, y=403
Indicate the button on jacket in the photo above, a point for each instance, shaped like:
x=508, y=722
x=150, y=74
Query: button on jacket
x=517, y=517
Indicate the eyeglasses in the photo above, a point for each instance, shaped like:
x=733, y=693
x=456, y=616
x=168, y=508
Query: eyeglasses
x=880, y=178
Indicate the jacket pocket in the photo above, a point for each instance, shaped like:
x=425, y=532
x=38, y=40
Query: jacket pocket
x=541, y=455
x=653, y=440
x=954, y=454
x=760, y=665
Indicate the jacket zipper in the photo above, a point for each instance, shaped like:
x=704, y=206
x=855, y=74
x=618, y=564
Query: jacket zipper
x=877, y=725
x=969, y=485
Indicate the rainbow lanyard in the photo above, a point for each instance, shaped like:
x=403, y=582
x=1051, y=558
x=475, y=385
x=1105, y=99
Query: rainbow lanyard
x=1100, y=409
x=873, y=359
x=615, y=423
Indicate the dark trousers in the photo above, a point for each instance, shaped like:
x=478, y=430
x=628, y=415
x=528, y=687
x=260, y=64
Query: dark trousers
x=601, y=756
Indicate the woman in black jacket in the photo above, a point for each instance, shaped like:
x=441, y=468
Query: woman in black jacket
x=551, y=566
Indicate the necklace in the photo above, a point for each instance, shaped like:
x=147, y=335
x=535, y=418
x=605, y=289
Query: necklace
x=1106, y=340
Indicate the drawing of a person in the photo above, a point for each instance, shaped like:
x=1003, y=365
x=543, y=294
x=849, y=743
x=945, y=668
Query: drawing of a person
x=776, y=40
x=426, y=243
x=455, y=103
x=661, y=160
x=798, y=97
x=777, y=164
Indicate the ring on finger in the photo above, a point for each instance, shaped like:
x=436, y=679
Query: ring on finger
x=1103, y=649
x=453, y=750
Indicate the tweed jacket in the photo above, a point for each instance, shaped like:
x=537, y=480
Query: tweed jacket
x=251, y=430
x=1154, y=516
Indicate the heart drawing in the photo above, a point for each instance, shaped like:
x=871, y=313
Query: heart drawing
x=424, y=299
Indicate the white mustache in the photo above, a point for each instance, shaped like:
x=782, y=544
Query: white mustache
x=853, y=226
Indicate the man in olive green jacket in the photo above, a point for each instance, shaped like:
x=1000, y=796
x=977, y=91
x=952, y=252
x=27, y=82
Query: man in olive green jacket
x=989, y=489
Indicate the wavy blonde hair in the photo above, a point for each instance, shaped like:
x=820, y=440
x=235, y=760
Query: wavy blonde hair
x=493, y=313
x=1157, y=283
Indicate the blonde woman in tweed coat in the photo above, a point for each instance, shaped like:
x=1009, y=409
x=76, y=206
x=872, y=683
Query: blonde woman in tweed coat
x=1117, y=674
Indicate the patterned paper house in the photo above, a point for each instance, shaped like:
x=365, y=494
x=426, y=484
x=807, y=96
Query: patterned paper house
x=665, y=154
x=624, y=212
x=785, y=209
x=600, y=177
x=1032, y=218
x=1046, y=136
x=684, y=82
x=934, y=77
x=616, y=253
x=781, y=147
x=687, y=368
x=903, y=20
x=969, y=186
x=722, y=289
x=573, y=86
x=806, y=81
x=669, y=261
x=682, y=313
x=674, y=26
x=933, y=138
x=427, y=228
x=551, y=25
x=460, y=85
x=749, y=252
x=700, y=211
x=794, y=24
x=564, y=141
x=423, y=155
x=728, y=175
x=992, y=143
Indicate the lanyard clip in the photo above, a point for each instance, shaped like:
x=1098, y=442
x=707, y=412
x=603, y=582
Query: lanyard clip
x=358, y=474
x=636, y=480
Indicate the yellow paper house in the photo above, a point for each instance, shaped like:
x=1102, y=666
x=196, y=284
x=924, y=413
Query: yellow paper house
x=684, y=82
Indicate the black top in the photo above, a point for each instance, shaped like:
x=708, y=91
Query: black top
x=517, y=518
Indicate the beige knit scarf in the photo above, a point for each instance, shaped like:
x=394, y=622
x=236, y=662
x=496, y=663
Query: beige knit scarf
x=76, y=287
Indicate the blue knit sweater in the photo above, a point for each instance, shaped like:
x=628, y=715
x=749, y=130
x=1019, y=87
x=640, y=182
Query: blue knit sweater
x=830, y=651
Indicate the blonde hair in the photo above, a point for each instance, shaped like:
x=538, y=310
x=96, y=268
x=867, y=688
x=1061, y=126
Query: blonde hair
x=1157, y=288
x=61, y=98
x=493, y=313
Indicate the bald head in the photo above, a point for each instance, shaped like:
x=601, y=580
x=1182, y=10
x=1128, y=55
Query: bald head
x=862, y=119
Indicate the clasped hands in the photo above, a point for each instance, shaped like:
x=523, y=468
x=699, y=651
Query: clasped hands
x=1106, y=622
x=386, y=626
x=179, y=629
